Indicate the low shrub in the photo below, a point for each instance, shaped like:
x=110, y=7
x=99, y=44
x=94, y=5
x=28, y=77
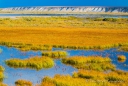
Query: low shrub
x=23, y=83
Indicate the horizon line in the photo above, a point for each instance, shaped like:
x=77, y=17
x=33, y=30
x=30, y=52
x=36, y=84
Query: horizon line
x=64, y=6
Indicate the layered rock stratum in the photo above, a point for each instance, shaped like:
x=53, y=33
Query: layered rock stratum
x=67, y=9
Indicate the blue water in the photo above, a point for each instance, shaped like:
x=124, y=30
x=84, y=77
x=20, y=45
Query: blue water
x=76, y=15
x=36, y=76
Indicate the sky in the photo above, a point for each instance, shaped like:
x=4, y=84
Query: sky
x=17, y=3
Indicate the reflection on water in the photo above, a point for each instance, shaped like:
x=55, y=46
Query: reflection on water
x=36, y=76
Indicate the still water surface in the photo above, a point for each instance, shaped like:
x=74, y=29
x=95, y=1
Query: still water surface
x=36, y=76
x=76, y=15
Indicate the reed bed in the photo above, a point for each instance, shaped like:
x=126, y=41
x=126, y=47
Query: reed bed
x=22, y=82
x=55, y=54
x=37, y=63
x=90, y=63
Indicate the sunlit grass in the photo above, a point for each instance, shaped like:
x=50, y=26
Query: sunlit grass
x=2, y=84
x=90, y=63
x=26, y=47
x=124, y=48
x=71, y=38
x=65, y=22
x=121, y=58
x=1, y=73
x=22, y=82
x=55, y=54
x=66, y=80
x=37, y=63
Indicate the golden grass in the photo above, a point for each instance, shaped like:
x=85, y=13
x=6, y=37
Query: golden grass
x=88, y=38
x=121, y=57
x=65, y=32
x=115, y=77
x=23, y=83
x=37, y=63
x=2, y=84
x=67, y=80
x=90, y=63
x=55, y=54
x=1, y=73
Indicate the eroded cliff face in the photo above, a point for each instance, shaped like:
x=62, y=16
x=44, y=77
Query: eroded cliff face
x=67, y=9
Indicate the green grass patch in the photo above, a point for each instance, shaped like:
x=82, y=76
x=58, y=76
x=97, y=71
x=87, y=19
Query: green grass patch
x=55, y=54
x=90, y=63
x=37, y=63
x=26, y=47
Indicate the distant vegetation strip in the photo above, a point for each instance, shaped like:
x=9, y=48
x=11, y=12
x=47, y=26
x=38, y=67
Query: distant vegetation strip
x=65, y=22
x=37, y=63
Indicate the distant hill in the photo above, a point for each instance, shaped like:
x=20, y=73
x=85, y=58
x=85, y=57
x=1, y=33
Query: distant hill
x=65, y=9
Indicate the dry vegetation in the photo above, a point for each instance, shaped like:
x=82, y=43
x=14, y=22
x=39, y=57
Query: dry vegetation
x=65, y=32
x=23, y=83
x=43, y=33
x=110, y=79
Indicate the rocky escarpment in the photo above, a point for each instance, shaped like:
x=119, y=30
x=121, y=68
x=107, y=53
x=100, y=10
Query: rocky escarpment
x=65, y=9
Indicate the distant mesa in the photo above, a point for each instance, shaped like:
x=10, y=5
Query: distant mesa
x=69, y=9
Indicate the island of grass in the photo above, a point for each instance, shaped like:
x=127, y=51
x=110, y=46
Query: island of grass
x=90, y=63
x=121, y=58
x=55, y=54
x=37, y=63
x=22, y=82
